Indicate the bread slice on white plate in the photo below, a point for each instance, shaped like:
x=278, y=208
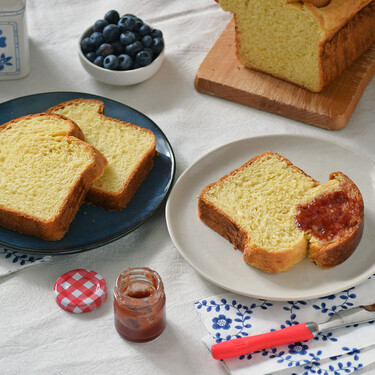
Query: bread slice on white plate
x=46, y=171
x=277, y=215
x=129, y=149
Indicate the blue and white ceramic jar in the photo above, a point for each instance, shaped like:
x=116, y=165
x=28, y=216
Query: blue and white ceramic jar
x=14, y=42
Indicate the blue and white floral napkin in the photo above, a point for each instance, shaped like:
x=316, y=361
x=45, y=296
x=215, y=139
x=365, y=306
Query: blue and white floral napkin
x=341, y=351
x=12, y=261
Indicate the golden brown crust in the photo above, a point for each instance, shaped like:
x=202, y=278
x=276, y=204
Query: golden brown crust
x=318, y=3
x=324, y=254
x=349, y=31
x=223, y=224
x=337, y=253
x=74, y=131
x=338, y=13
x=275, y=262
x=331, y=254
x=252, y=160
x=260, y=258
x=340, y=50
x=118, y=200
x=55, y=229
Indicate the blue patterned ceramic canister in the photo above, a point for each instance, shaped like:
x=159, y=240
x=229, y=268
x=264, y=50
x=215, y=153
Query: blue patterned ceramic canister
x=14, y=42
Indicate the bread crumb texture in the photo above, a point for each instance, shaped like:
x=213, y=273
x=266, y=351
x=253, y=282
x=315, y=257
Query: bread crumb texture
x=123, y=144
x=279, y=38
x=306, y=42
x=266, y=207
x=277, y=215
x=39, y=165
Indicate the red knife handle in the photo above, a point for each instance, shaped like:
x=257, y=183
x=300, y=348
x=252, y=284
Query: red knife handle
x=245, y=345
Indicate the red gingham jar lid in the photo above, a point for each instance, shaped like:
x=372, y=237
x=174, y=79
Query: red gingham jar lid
x=80, y=291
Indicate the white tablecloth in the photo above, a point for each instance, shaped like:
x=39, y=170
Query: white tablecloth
x=36, y=336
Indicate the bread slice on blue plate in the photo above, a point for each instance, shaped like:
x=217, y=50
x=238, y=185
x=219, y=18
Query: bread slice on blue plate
x=129, y=149
x=46, y=171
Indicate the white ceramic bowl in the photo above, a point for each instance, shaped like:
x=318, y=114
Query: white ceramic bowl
x=117, y=77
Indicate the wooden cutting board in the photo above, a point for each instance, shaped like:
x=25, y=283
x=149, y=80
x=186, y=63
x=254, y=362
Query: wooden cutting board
x=221, y=75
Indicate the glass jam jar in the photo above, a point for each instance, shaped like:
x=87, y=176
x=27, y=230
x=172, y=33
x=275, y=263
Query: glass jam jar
x=139, y=304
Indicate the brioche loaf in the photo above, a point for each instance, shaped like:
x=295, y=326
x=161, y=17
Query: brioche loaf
x=128, y=148
x=308, y=42
x=277, y=215
x=46, y=171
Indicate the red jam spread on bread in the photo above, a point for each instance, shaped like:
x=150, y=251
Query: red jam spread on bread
x=328, y=215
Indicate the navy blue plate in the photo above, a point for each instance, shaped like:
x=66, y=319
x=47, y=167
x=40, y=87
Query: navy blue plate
x=93, y=226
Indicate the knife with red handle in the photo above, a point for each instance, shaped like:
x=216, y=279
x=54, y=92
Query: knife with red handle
x=289, y=335
x=244, y=345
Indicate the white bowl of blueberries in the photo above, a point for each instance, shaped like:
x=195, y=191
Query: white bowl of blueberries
x=121, y=50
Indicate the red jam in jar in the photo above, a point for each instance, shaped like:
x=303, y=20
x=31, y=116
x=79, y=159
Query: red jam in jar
x=139, y=305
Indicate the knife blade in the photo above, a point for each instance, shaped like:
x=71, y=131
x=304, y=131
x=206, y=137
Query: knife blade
x=292, y=334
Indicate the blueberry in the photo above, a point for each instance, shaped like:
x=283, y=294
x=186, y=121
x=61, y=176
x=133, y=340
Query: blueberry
x=138, y=24
x=125, y=62
x=147, y=40
x=86, y=45
x=144, y=30
x=118, y=47
x=156, y=33
x=126, y=23
x=127, y=37
x=96, y=39
x=111, y=33
x=137, y=36
x=90, y=56
x=112, y=16
x=104, y=50
x=134, y=48
x=143, y=58
x=129, y=15
x=149, y=50
x=99, y=61
x=157, y=45
x=99, y=25
x=110, y=62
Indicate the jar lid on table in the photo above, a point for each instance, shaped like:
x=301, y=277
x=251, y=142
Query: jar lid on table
x=80, y=291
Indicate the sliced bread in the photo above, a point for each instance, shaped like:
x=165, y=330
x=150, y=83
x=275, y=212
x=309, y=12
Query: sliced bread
x=128, y=148
x=46, y=171
x=277, y=215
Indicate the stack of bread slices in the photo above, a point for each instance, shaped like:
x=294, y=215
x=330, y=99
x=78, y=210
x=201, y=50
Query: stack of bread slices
x=51, y=162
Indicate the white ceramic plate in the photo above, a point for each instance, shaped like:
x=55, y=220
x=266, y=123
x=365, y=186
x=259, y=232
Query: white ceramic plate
x=214, y=257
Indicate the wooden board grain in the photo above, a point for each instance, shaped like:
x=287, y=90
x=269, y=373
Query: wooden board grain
x=221, y=75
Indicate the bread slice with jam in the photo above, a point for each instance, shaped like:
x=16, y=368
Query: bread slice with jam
x=277, y=215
